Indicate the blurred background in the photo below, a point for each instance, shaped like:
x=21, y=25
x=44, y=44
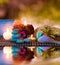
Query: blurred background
x=36, y=9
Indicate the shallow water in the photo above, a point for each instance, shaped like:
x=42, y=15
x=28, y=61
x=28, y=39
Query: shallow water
x=35, y=61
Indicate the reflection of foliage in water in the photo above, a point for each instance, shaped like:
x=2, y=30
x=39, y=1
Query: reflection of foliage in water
x=48, y=53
